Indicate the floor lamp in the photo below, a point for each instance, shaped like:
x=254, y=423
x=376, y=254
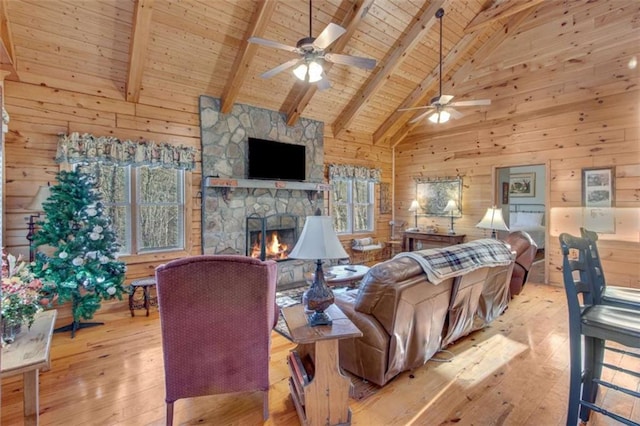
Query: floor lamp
x=36, y=206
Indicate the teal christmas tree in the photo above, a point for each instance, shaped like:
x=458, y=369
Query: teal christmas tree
x=77, y=257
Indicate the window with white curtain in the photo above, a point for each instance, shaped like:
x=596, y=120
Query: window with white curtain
x=146, y=206
x=352, y=203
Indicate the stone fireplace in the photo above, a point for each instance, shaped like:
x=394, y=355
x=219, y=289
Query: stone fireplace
x=232, y=204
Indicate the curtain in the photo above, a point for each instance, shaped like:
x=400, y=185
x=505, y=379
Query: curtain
x=346, y=171
x=76, y=148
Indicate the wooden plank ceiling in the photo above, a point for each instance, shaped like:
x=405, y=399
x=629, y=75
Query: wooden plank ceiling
x=168, y=52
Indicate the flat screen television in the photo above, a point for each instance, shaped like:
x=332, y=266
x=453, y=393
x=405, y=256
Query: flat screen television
x=276, y=160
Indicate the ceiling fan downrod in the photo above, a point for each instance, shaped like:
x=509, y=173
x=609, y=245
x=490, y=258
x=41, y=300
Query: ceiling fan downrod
x=439, y=15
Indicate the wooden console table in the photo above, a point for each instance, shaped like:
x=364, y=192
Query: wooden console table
x=319, y=390
x=430, y=240
x=29, y=354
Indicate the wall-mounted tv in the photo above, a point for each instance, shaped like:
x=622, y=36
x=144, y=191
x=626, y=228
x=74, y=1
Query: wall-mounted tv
x=276, y=160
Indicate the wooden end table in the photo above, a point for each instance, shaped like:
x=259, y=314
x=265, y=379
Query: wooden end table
x=323, y=399
x=29, y=354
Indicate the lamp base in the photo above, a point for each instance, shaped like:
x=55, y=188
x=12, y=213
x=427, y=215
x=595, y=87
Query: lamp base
x=452, y=232
x=318, y=298
x=319, y=318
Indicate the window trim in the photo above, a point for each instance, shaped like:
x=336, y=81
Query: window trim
x=165, y=254
x=371, y=220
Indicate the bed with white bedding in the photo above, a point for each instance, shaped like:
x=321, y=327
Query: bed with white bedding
x=528, y=218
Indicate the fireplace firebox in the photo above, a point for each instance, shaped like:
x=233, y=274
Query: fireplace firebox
x=271, y=237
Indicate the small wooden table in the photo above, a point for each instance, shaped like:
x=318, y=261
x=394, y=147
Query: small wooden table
x=345, y=274
x=430, y=240
x=324, y=399
x=28, y=354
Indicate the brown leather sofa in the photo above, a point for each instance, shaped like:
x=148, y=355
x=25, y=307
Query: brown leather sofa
x=526, y=249
x=405, y=319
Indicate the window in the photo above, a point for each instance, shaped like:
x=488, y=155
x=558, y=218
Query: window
x=146, y=206
x=352, y=203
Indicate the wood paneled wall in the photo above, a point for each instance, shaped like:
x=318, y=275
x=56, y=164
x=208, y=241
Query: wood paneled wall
x=598, y=132
x=39, y=114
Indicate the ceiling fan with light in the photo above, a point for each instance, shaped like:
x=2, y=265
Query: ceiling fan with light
x=440, y=108
x=312, y=53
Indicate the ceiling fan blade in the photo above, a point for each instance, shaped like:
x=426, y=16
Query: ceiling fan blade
x=455, y=113
x=471, y=102
x=324, y=84
x=330, y=34
x=273, y=71
x=271, y=43
x=445, y=99
x=418, y=107
x=364, y=63
x=420, y=117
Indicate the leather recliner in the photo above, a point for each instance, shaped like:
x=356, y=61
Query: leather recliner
x=525, y=248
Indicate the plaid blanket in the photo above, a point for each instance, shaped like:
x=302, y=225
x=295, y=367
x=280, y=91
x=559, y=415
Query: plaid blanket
x=442, y=263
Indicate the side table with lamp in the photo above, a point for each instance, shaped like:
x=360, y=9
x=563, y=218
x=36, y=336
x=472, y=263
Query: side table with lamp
x=319, y=390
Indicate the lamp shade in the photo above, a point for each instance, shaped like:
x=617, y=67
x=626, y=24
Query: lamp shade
x=414, y=206
x=318, y=241
x=439, y=117
x=493, y=220
x=451, y=207
x=44, y=192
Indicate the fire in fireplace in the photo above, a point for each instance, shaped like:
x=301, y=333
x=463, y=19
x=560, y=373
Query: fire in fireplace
x=281, y=231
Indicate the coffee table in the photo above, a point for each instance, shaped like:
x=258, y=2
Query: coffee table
x=345, y=275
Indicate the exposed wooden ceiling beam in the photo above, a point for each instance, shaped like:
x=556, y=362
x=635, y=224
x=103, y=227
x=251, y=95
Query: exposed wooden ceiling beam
x=487, y=48
x=356, y=14
x=499, y=10
x=260, y=20
x=140, y=34
x=398, y=52
x=7, y=50
x=420, y=94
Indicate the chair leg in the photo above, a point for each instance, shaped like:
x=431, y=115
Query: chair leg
x=169, y=419
x=575, y=375
x=265, y=405
x=593, y=358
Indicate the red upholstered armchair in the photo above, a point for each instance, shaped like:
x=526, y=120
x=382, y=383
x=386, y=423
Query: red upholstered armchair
x=216, y=314
x=525, y=248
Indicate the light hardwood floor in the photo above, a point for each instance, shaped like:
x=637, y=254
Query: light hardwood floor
x=513, y=373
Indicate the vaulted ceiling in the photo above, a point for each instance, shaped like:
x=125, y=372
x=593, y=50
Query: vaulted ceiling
x=168, y=52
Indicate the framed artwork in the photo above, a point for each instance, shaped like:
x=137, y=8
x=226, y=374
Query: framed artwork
x=505, y=192
x=522, y=185
x=597, y=187
x=433, y=196
x=598, y=198
x=385, y=198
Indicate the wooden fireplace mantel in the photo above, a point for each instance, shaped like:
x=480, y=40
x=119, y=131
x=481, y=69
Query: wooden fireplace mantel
x=268, y=184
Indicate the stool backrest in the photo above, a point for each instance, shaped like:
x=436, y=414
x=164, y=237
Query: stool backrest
x=578, y=273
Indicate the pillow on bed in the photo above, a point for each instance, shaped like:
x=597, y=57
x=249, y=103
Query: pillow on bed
x=527, y=219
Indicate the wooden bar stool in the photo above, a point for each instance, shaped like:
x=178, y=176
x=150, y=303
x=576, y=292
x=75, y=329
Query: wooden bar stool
x=145, y=284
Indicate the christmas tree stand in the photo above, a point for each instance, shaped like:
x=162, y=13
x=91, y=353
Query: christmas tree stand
x=75, y=326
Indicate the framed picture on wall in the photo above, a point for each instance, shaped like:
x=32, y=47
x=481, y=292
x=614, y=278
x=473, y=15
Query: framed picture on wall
x=598, y=198
x=434, y=194
x=522, y=185
x=597, y=187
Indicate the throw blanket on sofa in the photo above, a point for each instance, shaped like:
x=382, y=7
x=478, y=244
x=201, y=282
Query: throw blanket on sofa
x=442, y=263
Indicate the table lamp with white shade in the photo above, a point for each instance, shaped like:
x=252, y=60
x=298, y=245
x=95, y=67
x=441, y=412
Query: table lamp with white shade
x=318, y=241
x=452, y=209
x=493, y=220
x=414, y=208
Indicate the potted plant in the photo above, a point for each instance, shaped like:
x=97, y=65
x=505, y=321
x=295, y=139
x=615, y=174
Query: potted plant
x=20, y=296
